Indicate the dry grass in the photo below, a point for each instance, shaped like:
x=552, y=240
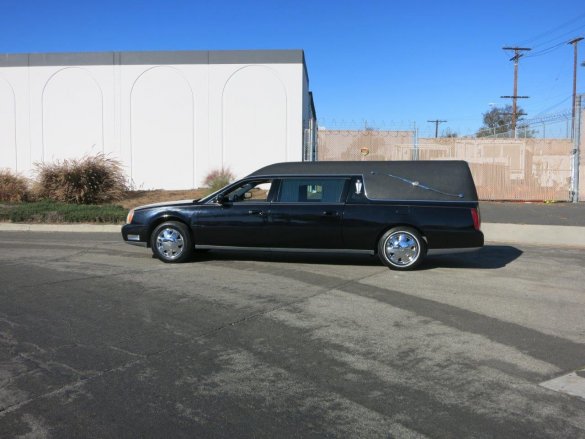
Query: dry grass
x=13, y=187
x=213, y=181
x=218, y=178
x=90, y=180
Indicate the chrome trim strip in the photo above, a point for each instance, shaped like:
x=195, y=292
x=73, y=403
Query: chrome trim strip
x=285, y=249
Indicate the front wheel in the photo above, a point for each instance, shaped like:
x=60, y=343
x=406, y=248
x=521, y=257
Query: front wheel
x=401, y=248
x=171, y=242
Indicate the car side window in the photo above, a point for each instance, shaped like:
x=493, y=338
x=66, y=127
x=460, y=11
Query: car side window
x=311, y=190
x=255, y=191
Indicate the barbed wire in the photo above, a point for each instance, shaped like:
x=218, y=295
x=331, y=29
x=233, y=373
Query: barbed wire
x=364, y=124
x=407, y=130
x=524, y=124
x=370, y=133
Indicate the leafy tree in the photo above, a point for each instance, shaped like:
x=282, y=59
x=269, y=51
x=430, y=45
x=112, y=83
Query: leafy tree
x=499, y=121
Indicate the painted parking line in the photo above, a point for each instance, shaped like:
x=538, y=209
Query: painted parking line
x=572, y=384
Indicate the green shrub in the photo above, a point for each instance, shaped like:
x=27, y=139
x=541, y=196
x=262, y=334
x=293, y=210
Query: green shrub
x=47, y=211
x=13, y=187
x=218, y=178
x=90, y=180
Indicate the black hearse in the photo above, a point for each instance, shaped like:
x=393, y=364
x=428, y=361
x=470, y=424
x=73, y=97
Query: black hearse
x=400, y=210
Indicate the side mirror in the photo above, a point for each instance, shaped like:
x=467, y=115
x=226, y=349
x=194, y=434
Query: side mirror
x=222, y=199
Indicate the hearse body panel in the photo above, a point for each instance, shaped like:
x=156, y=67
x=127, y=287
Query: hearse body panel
x=397, y=209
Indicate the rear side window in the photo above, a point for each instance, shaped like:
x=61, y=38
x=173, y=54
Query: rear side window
x=311, y=190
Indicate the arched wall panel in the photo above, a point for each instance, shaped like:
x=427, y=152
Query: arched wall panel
x=72, y=115
x=162, y=130
x=8, y=153
x=254, y=115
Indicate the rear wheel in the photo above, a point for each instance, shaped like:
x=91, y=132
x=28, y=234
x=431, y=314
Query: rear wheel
x=401, y=248
x=171, y=242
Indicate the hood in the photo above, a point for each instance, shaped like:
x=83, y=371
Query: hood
x=166, y=203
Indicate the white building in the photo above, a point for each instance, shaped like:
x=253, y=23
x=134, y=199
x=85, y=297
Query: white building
x=170, y=117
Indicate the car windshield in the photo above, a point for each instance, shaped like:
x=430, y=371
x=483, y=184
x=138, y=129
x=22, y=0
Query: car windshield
x=251, y=190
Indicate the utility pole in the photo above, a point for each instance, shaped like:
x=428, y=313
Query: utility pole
x=436, y=122
x=514, y=97
x=574, y=42
x=576, y=150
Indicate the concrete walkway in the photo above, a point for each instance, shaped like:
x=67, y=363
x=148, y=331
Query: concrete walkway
x=69, y=228
x=556, y=224
x=534, y=234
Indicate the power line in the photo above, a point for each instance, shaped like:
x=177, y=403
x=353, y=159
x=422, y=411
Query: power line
x=550, y=32
x=552, y=107
x=547, y=50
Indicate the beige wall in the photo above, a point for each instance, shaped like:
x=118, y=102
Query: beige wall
x=365, y=145
x=503, y=169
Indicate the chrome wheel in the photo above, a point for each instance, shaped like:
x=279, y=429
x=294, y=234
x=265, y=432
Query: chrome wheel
x=401, y=248
x=171, y=242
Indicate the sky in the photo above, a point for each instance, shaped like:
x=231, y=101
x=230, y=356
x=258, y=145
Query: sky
x=383, y=64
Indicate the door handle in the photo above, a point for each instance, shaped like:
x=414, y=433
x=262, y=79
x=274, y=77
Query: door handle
x=256, y=212
x=330, y=213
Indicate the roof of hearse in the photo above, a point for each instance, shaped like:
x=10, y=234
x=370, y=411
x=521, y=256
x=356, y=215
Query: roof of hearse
x=424, y=180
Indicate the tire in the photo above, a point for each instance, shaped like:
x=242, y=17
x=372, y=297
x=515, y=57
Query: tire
x=401, y=248
x=171, y=242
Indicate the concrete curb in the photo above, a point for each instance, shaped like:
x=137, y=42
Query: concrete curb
x=69, y=228
x=494, y=232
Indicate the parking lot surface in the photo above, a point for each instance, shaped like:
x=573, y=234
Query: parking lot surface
x=554, y=214
x=98, y=339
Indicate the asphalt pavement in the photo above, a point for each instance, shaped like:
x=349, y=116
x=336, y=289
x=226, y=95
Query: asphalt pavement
x=553, y=214
x=100, y=340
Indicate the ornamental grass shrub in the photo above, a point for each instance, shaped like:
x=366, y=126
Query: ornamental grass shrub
x=14, y=188
x=90, y=180
x=218, y=178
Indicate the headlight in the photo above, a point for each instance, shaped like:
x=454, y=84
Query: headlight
x=130, y=216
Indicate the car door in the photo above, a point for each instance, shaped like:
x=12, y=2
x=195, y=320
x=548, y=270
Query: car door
x=307, y=213
x=236, y=218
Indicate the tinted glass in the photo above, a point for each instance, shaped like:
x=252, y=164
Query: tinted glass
x=308, y=190
x=250, y=191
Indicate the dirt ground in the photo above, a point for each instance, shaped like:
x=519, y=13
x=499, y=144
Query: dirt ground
x=140, y=198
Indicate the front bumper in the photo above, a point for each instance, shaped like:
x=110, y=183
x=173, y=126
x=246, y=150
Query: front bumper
x=135, y=234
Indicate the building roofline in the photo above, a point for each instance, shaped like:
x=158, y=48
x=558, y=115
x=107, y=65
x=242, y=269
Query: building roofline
x=292, y=56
